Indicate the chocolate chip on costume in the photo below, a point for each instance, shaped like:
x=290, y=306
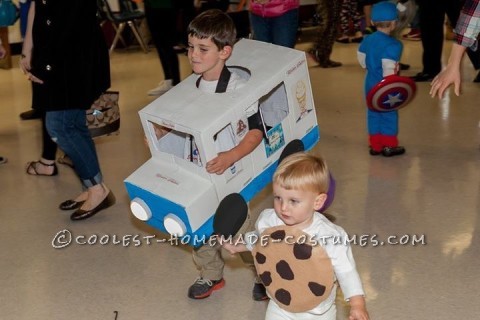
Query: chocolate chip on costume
x=278, y=235
x=260, y=258
x=283, y=269
x=283, y=296
x=316, y=288
x=266, y=278
x=302, y=251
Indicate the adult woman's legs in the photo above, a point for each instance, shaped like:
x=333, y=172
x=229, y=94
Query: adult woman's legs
x=68, y=129
x=46, y=165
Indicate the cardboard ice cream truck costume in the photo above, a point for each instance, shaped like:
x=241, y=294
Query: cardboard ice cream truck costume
x=172, y=191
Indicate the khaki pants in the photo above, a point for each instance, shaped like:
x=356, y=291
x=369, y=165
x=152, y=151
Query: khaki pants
x=208, y=258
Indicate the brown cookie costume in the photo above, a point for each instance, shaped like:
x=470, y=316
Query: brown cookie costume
x=302, y=268
x=296, y=274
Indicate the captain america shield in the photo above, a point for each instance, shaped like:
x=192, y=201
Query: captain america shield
x=392, y=93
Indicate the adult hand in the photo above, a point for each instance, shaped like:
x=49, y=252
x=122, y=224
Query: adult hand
x=451, y=74
x=25, y=67
x=444, y=79
x=3, y=52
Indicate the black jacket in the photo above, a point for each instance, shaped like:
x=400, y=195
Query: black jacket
x=69, y=54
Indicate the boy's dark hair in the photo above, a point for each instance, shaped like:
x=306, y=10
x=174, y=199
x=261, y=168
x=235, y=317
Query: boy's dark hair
x=214, y=24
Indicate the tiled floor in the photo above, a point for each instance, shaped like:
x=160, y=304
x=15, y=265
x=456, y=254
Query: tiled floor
x=431, y=192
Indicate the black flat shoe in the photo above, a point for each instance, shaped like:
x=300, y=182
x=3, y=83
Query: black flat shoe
x=330, y=64
x=477, y=78
x=357, y=39
x=85, y=214
x=30, y=115
x=374, y=153
x=404, y=66
x=392, y=151
x=70, y=205
x=423, y=77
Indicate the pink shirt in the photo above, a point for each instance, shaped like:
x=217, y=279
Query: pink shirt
x=273, y=8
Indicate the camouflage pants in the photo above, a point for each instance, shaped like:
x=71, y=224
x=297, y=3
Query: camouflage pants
x=328, y=12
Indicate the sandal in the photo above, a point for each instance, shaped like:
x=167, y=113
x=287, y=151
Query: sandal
x=32, y=168
x=66, y=161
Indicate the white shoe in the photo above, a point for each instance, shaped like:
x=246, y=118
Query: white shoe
x=163, y=87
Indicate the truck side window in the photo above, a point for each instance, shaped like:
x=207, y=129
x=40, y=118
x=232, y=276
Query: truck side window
x=274, y=105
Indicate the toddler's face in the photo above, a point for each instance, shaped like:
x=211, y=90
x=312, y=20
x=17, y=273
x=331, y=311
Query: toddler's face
x=205, y=58
x=296, y=207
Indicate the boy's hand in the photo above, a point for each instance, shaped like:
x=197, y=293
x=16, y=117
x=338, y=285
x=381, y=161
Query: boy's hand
x=358, y=311
x=219, y=164
x=229, y=247
x=358, y=314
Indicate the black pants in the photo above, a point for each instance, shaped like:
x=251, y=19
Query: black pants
x=49, y=148
x=329, y=13
x=432, y=18
x=160, y=22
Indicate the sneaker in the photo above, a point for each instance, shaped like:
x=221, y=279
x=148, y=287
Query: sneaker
x=203, y=288
x=392, y=151
x=3, y=160
x=163, y=87
x=259, y=293
x=413, y=35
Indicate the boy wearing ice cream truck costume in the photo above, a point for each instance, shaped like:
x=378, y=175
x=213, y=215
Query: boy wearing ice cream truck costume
x=207, y=145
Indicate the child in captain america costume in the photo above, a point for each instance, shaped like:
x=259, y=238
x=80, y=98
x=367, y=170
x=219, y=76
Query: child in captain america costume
x=380, y=54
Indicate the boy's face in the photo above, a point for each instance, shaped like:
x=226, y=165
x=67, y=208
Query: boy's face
x=205, y=58
x=296, y=207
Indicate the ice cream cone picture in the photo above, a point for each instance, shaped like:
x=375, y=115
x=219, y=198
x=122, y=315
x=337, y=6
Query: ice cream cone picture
x=301, y=96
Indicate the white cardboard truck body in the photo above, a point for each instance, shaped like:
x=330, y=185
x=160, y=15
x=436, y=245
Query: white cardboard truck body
x=178, y=196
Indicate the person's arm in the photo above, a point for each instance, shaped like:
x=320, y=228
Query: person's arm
x=2, y=50
x=233, y=247
x=26, y=57
x=451, y=74
x=225, y=159
x=466, y=33
x=358, y=309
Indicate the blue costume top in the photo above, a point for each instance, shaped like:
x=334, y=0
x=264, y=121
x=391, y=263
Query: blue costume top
x=381, y=51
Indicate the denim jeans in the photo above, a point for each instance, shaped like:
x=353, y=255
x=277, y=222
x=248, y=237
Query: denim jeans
x=69, y=130
x=281, y=30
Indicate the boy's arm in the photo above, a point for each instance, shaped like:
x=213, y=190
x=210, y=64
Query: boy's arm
x=358, y=310
x=234, y=247
x=391, y=59
x=361, y=59
x=225, y=159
